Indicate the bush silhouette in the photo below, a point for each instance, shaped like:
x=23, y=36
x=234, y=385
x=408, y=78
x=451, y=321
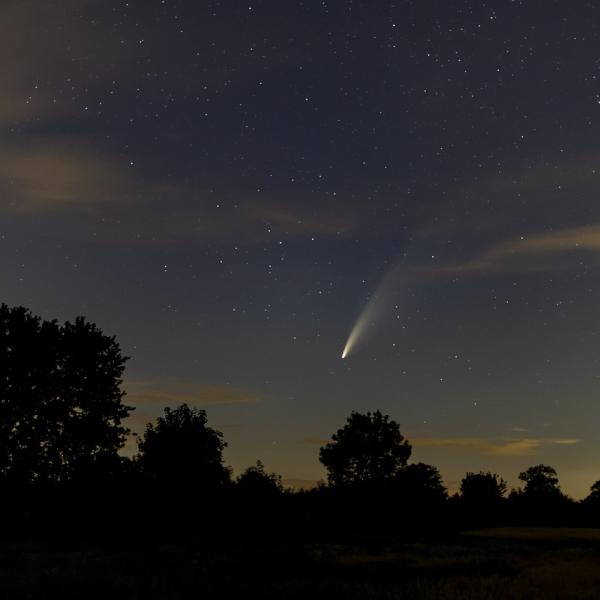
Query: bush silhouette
x=421, y=485
x=181, y=450
x=482, y=498
x=255, y=482
x=484, y=489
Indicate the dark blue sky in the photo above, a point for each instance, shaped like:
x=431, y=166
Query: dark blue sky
x=225, y=185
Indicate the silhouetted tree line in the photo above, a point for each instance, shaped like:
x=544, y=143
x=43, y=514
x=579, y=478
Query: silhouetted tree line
x=61, y=430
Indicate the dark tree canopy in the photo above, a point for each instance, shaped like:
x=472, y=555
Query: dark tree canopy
x=368, y=448
x=255, y=481
x=61, y=403
x=420, y=482
x=540, y=481
x=594, y=495
x=482, y=488
x=181, y=449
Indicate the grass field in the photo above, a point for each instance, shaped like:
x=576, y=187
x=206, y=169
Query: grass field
x=500, y=563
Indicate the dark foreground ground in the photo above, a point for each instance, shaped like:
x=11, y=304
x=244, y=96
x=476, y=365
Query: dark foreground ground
x=500, y=563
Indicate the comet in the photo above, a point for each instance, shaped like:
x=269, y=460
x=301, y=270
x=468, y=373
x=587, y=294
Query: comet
x=367, y=318
x=373, y=311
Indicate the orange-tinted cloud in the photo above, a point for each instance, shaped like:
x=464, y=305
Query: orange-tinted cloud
x=44, y=176
x=524, y=447
x=520, y=447
x=529, y=252
x=467, y=443
x=152, y=395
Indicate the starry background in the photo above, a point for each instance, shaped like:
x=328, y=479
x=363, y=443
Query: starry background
x=224, y=185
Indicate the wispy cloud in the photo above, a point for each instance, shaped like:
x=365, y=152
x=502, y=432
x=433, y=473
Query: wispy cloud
x=530, y=252
x=81, y=182
x=487, y=446
x=148, y=394
x=520, y=447
x=526, y=217
x=41, y=176
x=524, y=447
x=497, y=205
x=177, y=212
x=89, y=192
x=455, y=442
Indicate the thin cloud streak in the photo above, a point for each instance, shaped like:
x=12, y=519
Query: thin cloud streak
x=44, y=176
x=146, y=394
x=501, y=256
x=508, y=448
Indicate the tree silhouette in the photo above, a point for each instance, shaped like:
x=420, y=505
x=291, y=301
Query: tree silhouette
x=591, y=504
x=369, y=448
x=541, y=501
x=594, y=495
x=61, y=403
x=540, y=481
x=180, y=449
x=482, y=488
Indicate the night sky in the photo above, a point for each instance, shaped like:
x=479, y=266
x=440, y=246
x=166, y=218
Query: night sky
x=228, y=186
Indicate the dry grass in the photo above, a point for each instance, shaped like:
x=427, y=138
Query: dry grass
x=547, y=534
x=505, y=563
